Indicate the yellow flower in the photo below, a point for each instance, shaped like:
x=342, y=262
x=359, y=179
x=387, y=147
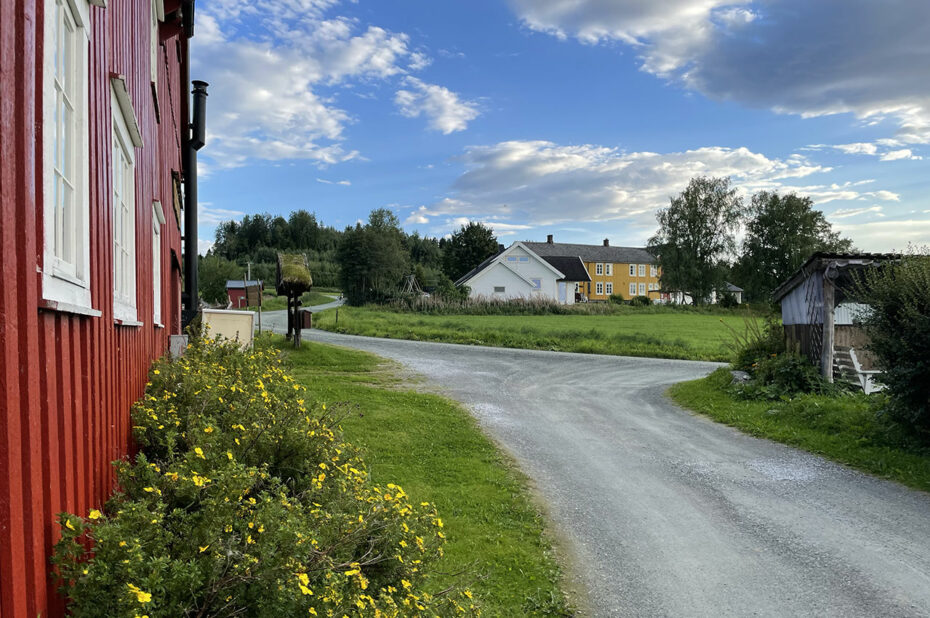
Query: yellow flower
x=157, y=372
x=229, y=455
x=68, y=524
x=204, y=548
x=304, y=579
x=199, y=452
x=208, y=429
x=94, y=514
x=141, y=596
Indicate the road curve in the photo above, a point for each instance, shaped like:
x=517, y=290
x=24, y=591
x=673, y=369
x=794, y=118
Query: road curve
x=669, y=514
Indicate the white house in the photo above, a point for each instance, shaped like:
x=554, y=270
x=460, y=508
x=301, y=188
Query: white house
x=518, y=273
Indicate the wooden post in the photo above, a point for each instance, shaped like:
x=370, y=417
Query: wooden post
x=826, y=351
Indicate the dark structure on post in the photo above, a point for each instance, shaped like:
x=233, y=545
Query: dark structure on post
x=195, y=142
x=293, y=280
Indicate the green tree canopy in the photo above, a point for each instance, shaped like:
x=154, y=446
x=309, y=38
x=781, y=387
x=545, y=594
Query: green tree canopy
x=781, y=233
x=467, y=248
x=372, y=259
x=696, y=236
x=213, y=272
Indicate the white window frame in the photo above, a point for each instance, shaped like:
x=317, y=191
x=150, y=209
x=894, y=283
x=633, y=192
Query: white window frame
x=66, y=280
x=632, y=290
x=158, y=220
x=642, y=289
x=608, y=269
x=642, y=270
x=599, y=288
x=632, y=270
x=653, y=271
x=157, y=15
x=125, y=138
x=599, y=268
x=609, y=288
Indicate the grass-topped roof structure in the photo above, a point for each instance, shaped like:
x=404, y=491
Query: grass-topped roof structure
x=293, y=274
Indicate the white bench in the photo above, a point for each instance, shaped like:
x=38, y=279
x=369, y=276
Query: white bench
x=866, y=376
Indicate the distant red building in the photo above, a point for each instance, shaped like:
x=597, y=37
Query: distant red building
x=94, y=115
x=235, y=289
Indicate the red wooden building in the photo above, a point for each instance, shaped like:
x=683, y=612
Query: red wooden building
x=95, y=135
x=235, y=290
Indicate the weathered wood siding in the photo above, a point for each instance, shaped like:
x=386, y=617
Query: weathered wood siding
x=67, y=381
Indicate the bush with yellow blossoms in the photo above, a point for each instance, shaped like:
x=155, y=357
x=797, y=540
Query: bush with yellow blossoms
x=244, y=501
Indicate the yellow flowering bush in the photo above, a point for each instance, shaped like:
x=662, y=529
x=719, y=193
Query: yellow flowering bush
x=244, y=500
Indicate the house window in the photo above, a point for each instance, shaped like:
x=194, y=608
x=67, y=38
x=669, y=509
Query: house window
x=610, y=289
x=537, y=283
x=524, y=259
x=642, y=289
x=609, y=269
x=511, y=258
x=653, y=271
x=599, y=288
x=577, y=288
x=632, y=270
x=66, y=197
x=632, y=289
x=642, y=270
x=599, y=269
x=124, y=214
x=158, y=219
x=498, y=289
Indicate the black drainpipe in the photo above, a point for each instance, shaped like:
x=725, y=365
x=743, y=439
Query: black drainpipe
x=194, y=143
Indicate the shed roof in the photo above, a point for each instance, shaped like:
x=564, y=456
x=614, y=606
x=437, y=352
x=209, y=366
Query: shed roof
x=820, y=260
x=570, y=266
x=593, y=253
x=239, y=284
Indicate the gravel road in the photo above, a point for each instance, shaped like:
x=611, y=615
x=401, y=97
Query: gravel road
x=669, y=514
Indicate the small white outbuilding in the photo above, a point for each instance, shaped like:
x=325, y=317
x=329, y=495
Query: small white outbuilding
x=518, y=273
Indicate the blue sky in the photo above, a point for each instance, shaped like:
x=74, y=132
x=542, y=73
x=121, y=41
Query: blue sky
x=577, y=118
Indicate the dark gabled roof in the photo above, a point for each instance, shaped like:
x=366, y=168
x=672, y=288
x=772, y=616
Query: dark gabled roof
x=593, y=253
x=570, y=266
x=819, y=260
x=734, y=288
x=239, y=284
x=477, y=269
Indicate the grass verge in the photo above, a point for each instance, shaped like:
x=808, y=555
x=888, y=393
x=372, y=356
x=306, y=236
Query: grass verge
x=666, y=334
x=433, y=448
x=845, y=429
x=309, y=299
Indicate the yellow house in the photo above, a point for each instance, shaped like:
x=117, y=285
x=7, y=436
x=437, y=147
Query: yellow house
x=630, y=271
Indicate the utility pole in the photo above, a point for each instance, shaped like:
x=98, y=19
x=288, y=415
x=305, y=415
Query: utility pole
x=249, y=275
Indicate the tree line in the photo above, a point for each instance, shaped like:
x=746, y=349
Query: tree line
x=369, y=261
x=696, y=243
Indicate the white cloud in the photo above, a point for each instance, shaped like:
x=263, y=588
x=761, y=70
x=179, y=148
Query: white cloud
x=886, y=236
x=896, y=155
x=540, y=183
x=344, y=183
x=794, y=56
x=207, y=215
x=443, y=108
x=845, y=213
x=268, y=63
x=865, y=148
x=204, y=245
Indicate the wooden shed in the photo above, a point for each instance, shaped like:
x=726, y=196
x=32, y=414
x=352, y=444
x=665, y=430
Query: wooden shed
x=819, y=312
x=94, y=120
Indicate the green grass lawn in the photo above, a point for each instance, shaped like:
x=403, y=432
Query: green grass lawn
x=845, y=429
x=665, y=334
x=309, y=299
x=433, y=448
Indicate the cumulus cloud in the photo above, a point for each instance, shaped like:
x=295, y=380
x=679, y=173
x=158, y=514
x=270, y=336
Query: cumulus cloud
x=208, y=215
x=445, y=111
x=520, y=185
x=869, y=59
x=845, y=213
x=897, y=155
x=268, y=65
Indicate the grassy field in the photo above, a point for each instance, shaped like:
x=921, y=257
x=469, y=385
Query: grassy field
x=665, y=334
x=432, y=447
x=845, y=429
x=309, y=299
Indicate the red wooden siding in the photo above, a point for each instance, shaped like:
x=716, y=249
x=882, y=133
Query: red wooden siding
x=67, y=381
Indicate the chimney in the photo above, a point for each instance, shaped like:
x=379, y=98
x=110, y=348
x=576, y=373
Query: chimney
x=549, y=239
x=606, y=242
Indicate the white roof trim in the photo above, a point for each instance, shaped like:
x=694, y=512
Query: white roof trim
x=101, y=3
x=159, y=9
x=118, y=82
x=559, y=274
x=159, y=213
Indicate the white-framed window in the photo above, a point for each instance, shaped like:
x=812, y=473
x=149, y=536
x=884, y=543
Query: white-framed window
x=642, y=270
x=652, y=286
x=653, y=271
x=599, y=288
x=632, y=290
x=632, y=270
x=498, y=289
x=65, y=154
x=599, y=269
x=524, y=259
x=537, y=283
x=642, y=289
x=158, y=220
x=124, y=140
x=153, y=41
x=609, y=269
x=511, y=258
x=610, y=288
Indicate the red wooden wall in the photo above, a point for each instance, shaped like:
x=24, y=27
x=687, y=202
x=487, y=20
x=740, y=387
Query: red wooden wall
x=67, y=381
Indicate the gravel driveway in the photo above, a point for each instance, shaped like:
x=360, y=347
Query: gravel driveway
x=669, y=514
